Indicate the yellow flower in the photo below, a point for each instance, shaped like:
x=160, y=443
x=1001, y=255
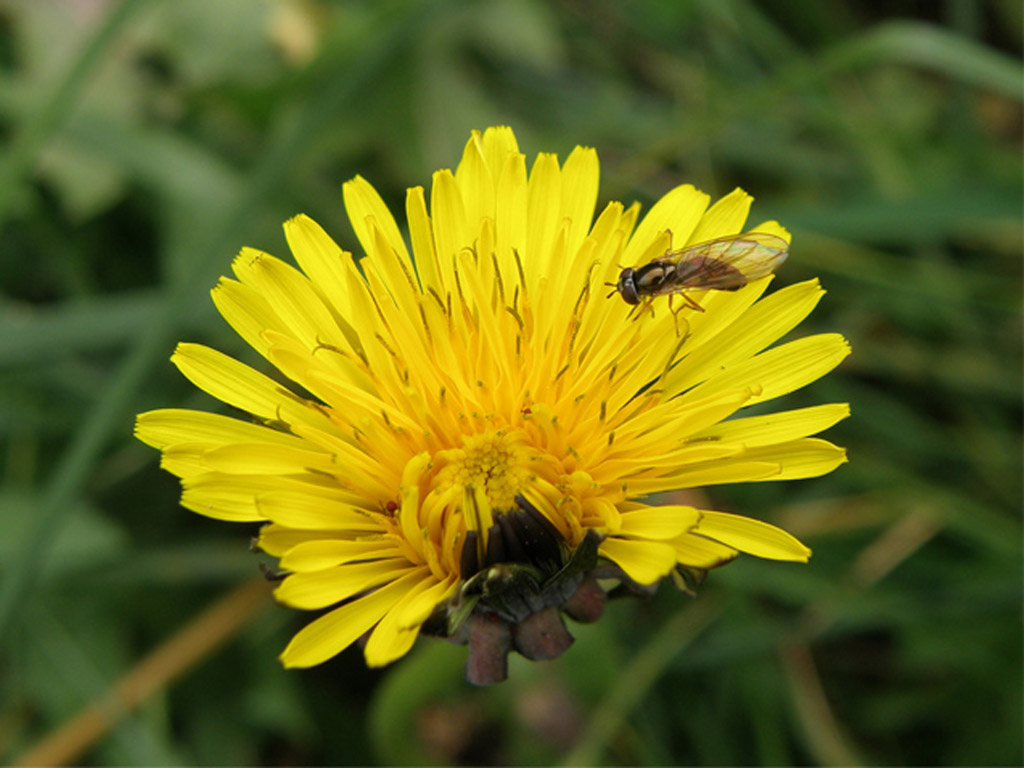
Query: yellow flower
x=473, y=424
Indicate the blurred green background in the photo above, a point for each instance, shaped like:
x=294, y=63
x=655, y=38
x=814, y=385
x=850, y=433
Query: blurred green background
x=145, y=142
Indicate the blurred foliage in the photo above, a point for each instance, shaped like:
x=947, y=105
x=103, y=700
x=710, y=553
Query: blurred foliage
x=143, y=143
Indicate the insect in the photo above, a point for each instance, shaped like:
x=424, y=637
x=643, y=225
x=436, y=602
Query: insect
x=723, y=264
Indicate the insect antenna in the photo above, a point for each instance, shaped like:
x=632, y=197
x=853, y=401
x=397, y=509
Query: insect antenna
x=614, y=285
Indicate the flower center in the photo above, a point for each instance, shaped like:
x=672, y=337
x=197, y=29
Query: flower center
x=494, y=463
x=487, y=483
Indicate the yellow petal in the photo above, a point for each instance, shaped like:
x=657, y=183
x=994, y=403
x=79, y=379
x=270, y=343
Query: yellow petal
x=246, y=311
x=183, y=460
x=773, y=428
x=665, y=522
x=335, y=631
x=499, y=143
x=448, y=218
x=762, y=324
x=394, y=636
x=363, y=205
x=172, y=426
x=392, y=643
x=393, y=270
x=799, y=459
x=235, y=497
x=780, y=370
x=737, y=470
x=239, y=385
x=642, y=462
x=310, y=367
x=751, y=536
x=222, y=501
x=645, y=562
x=322, y=260
x=684, y=419
x=319, y=555
x=415, y=611
x=701, y=329
x=475, y=182
x=510, y=216
x=409, y=492
x=630, y=216
x=307, y=511
x=229, y=380
x=369, y=325
x=679, y=211
x=698, y=552
x=608, y=237
x=318, y=589
x=422, y=237
x=580, y=177
x=276, y=539
x=288, y=292
x=726, y=217
x=772, y=227
x=256, y=458
x=544, y=207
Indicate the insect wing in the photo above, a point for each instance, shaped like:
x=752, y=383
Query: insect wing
x=728, y=262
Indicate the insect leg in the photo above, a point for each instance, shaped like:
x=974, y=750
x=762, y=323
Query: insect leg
x=644, y=306
x=686, y=325
x=675, y=314
x=669, y=249
x=675, y=311
x=691, y=302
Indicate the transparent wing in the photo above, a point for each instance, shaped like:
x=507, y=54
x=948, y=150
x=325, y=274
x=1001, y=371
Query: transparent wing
x=727, y=262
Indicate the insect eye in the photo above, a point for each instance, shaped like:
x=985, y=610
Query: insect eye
x=627, y=286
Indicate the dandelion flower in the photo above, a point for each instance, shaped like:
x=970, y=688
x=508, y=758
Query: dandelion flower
x=471, y=425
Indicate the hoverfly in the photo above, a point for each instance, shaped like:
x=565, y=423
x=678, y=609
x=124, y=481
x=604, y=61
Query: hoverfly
x=723, y=264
